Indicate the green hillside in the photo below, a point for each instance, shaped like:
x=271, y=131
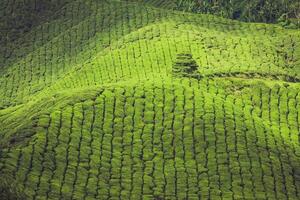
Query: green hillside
x=135, y=100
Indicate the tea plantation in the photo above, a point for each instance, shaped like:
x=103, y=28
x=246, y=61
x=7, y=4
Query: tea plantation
x=134, y=100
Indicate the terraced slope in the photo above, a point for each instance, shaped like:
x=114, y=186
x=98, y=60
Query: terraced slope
x=91, y=108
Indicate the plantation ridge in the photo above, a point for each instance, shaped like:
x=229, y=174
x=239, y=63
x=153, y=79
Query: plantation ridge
x=124, y=99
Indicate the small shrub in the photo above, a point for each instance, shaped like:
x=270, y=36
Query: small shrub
x=185, y=66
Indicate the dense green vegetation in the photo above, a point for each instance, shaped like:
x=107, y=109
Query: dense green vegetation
x=286, y=12
x=135, y=100
x=19, y=16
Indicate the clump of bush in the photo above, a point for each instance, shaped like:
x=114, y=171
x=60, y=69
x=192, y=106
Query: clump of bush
x=185, y=66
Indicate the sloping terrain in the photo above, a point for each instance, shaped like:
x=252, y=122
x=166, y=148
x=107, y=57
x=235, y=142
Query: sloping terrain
x=90, y=106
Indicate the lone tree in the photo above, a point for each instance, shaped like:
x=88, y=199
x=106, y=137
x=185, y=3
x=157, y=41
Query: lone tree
x=185, y=66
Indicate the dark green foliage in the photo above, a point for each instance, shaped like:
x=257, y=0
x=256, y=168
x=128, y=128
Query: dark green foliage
x=10, y=189
x=19, y=16
x=270, y=11
x=185, y=66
